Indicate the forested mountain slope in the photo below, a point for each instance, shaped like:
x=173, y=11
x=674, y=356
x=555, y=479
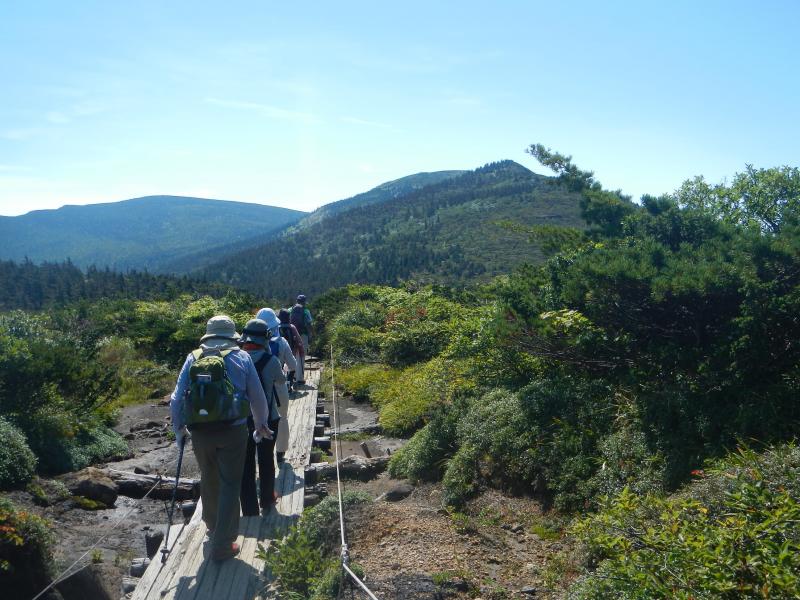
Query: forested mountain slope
x=448, y=232
x=382, y=193
x=149, y=232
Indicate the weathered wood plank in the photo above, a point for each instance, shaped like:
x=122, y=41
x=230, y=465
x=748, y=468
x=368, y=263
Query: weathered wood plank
x=183, y=580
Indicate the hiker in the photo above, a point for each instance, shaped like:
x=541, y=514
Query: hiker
x=255, y=341
x=218, y=387
x=292, y=336
x=280, y=348
x=300, y=317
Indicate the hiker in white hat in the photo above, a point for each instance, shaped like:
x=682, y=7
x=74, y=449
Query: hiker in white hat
x=280, y=348
x=217, y=389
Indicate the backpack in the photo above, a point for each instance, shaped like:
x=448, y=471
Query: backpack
x=211, y=398
x=297, y=317
x=286, y=333
x=269, y=353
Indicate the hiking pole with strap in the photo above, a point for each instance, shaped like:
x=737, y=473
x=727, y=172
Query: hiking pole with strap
x=171, y=511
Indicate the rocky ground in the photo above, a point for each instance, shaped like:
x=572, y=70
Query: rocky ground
x=410, y=547
x=146, y=428
x=498, y=547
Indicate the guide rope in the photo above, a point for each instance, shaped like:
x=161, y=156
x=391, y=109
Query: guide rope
x=345, y=555
x=67, y=573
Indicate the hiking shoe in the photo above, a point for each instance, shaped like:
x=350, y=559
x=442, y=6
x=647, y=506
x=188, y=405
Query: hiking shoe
x=225, y=555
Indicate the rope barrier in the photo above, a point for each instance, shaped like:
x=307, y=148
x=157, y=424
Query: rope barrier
x=345, y=556
x=67, y=573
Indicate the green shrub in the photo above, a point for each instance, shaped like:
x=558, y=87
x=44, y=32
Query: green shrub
x=297, y=560
x=62, y=447
x=405, y=401
x=745, y=543
x=425, y=455
x=26, y=557
x=627, y=461
x=460, y=477
x=329, y=586
x=17, y=461
x=354, y=343
x=363, y=381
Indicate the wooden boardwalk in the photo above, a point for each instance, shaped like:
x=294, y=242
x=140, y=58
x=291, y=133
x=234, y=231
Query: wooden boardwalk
x=190, y=574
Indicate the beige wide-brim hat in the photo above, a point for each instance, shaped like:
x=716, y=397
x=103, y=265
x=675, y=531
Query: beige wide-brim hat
x=220, y=326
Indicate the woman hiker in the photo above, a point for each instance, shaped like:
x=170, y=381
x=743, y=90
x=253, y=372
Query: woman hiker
x=292, y=336
x=255, y=341
x=218, y=387
x=280, y=348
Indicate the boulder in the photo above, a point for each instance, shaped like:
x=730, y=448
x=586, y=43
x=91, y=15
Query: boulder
x=351, y=467
x=152, y=541
x=95, y=581
x=148, y=425
x=94, y=484
x=139, y=566
x=398, y=491
x=128, y=585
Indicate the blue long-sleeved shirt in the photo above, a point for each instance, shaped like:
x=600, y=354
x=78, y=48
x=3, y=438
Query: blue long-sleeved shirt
x=242, y=373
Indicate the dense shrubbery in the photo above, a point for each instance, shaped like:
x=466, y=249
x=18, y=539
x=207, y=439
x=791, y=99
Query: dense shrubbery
x=734, y=534
x=63, y=375
x=17, y=461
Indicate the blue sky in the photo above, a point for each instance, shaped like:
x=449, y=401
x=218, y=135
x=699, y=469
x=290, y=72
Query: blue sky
x=297, y=104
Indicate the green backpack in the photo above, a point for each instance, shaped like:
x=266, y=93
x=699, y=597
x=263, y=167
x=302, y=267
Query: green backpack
x=211, y=398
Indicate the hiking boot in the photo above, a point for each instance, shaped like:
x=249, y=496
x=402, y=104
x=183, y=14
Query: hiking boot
x=225, y=555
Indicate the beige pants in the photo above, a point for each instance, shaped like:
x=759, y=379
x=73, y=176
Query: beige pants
x=220, y=455
x=283, y=430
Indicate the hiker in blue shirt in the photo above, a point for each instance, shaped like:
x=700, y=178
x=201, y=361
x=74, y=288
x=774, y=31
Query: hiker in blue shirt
x=219, y=444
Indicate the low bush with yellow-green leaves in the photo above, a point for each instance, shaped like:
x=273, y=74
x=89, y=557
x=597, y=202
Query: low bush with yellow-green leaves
x=25, y=551
x=734, y=533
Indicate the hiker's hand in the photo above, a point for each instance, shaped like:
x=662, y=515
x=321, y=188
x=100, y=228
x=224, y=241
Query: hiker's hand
x=265, y=432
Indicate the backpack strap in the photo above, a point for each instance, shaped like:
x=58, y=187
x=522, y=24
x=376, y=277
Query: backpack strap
x=260, y=364
x=275, y=348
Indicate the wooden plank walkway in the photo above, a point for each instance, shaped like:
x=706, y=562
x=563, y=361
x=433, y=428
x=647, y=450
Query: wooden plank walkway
x=190, y=574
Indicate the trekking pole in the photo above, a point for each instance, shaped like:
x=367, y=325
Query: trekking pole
x=171, y=511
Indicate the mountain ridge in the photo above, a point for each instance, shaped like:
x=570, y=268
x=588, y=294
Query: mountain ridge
x=140, y=233
x=447, y=232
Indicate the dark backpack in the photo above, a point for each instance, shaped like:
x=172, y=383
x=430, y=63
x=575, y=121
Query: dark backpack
x=270, y=352
x=286, y=333
x=298, y=318
x=212, y=399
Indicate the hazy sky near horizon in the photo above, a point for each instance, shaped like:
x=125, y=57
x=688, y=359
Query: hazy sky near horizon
x=297, y=105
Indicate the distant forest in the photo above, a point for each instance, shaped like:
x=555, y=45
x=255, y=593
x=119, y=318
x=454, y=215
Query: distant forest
x=34, y=287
